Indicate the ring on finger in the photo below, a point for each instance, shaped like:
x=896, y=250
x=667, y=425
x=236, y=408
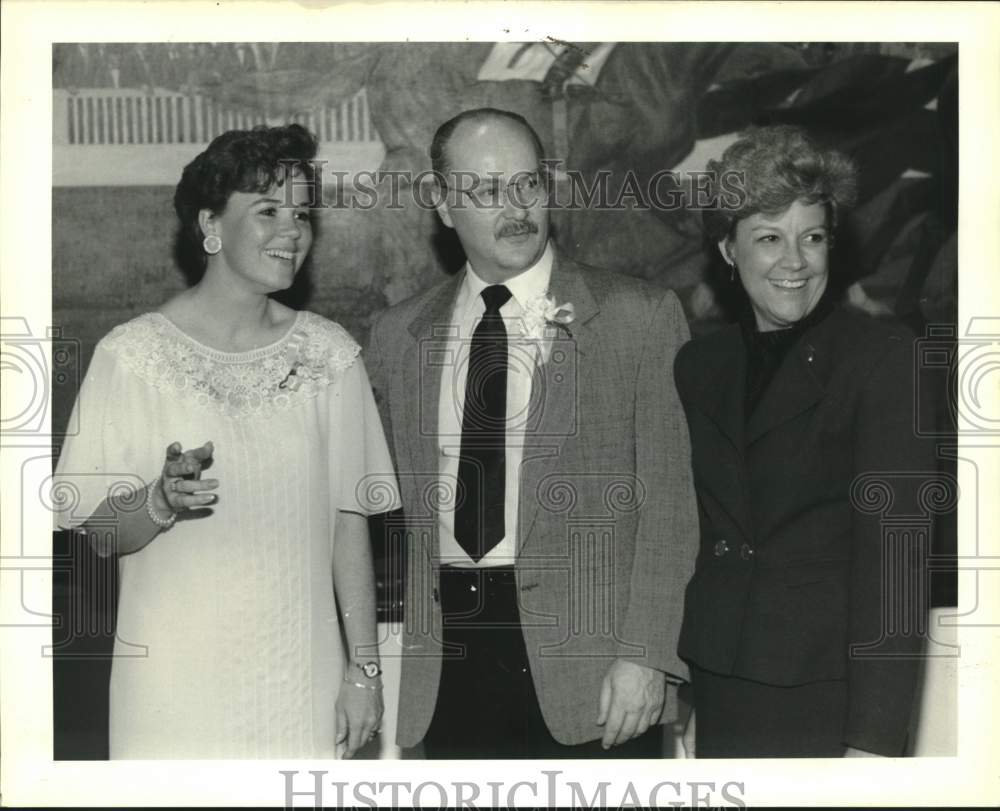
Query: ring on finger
x=172, y=485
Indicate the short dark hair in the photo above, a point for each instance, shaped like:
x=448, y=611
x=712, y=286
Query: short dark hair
x=237, y=161
x=439, y=144
x=777, y=166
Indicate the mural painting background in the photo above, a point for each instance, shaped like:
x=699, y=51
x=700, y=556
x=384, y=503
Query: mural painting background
x=128, y=116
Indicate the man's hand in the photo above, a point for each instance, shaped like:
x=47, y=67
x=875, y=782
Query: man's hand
x=850, y=751
x=631, y=701
x=689, y=738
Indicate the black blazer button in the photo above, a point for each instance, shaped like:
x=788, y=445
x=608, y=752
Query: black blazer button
x=435, y=595
x=721, y=547
x=746, y=551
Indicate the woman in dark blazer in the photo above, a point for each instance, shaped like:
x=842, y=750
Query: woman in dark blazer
x=798, y=626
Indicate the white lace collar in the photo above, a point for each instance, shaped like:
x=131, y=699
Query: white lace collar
x=307, y=358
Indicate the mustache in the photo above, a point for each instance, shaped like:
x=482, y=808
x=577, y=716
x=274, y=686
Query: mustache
x=513, y=229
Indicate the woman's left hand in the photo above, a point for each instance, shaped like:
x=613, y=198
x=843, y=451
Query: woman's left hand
x=359, y=714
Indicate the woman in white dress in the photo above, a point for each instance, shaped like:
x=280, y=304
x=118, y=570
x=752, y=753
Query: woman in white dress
x=229, y=450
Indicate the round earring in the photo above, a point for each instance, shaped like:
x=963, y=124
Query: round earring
x=211, y=244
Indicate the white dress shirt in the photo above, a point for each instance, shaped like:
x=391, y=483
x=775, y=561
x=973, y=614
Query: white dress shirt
x=522, y=356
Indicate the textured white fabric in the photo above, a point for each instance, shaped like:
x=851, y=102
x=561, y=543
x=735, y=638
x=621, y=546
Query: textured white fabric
x=228, y=643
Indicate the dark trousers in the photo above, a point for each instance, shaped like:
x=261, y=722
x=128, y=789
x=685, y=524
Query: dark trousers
x=486, y=705
x=746, y=719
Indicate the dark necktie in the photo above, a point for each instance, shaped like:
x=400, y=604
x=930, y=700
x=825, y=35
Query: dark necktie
x=479, y=510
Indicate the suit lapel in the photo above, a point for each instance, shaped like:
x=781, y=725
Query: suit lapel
x=555, y=396
x=421, y=381
x=720, y=397
x=796, y=388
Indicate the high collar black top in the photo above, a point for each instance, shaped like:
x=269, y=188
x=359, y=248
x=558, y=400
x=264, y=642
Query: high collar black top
x=767, y=350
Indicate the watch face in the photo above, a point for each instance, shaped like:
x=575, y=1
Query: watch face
x=371, y=669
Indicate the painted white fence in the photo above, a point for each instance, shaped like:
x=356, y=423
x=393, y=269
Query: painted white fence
x=131, y=116
x=128, y=137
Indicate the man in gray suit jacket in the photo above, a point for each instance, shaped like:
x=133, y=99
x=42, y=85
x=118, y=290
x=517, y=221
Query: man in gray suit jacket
x=544, y=467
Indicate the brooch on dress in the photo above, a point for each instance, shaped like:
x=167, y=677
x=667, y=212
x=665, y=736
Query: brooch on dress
x=300, y=371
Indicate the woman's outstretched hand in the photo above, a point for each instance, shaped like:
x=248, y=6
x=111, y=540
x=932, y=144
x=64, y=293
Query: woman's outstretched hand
x=181, y=486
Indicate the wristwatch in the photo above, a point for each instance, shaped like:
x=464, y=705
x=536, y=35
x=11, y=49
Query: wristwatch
x=370, y=669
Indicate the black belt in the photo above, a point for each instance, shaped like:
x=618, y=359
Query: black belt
x=482, y=574
x=489, y=593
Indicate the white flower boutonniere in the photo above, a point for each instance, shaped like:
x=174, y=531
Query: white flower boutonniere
x=543, y=319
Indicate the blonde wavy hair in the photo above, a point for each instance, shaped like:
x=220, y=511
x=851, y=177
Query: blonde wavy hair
x=774, y=167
